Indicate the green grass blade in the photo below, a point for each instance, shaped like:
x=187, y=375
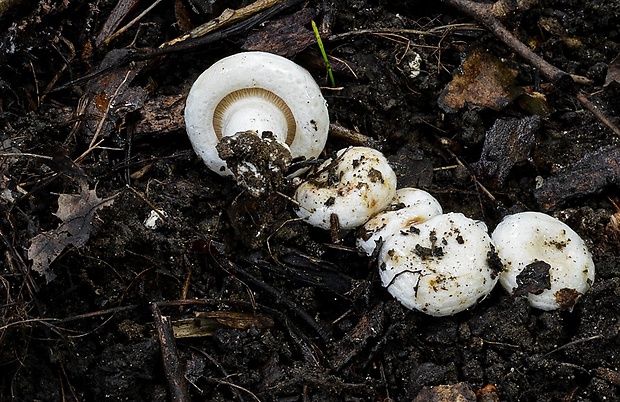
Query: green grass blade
x=327, y=65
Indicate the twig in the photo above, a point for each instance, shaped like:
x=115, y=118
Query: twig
x=158, y=211
x=42, y=321
x=351, y=136
x=126, y=56
x=23, y=154
x=64, y=67
x=172, y=366
x=99, y=313
x=575, y=342
x=487, y=15
x=581, y=97
x=382, y=31
x=36, y=85
x=233, y=387
x=277, y=295
x=131, y=23
x=470, y=170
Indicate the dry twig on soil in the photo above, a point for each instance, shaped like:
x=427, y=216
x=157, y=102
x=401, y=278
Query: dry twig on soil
x=172, y=365
x=120, y=57
x=489, y=14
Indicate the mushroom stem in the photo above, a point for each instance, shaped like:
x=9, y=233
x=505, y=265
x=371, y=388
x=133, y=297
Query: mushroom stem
x=254, y=109
x=254, y=115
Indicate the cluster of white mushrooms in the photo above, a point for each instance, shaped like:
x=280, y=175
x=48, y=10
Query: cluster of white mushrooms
x=434, y=262
x=443, y=263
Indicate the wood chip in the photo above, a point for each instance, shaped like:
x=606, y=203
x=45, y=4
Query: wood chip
x=588, y=176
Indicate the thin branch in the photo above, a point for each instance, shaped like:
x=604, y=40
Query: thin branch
x=587, y=103
x=484, y=14
x=437, y=31
x=575, y=342
x=131, y=23
x=487, y=14
x=172, y=365
x=24, y=155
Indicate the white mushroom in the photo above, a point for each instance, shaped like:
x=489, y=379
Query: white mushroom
x=354, y=186
x=439, y=267
x=534, y=248
x=411, y=206
x=260, y=92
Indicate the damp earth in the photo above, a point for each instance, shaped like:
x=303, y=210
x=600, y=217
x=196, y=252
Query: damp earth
x=230, y=296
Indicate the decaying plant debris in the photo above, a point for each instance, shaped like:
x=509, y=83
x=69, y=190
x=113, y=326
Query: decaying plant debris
x=232, y=297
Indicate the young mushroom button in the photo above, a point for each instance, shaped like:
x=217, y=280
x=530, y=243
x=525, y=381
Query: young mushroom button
x=259, y=92
x=410, y=207
x=543, y=259
x=354, y=186
x=441, y=266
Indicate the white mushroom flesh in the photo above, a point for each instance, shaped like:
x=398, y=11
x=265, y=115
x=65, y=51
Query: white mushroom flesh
x=529, y=237
x=411, y=206
x=354, y=187
x=441, y=266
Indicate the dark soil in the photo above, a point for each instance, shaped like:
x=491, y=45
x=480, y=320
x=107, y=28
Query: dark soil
x=321, y=327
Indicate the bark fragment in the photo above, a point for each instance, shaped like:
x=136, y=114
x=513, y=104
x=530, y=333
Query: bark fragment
x=507, y=143
x=591, y=174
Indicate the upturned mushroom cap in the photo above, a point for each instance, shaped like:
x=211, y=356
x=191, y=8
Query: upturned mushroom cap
x=441, y=266
x=260, y=92
x=530, y=240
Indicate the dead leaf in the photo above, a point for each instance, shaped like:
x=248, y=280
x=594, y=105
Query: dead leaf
x=613, y=73
x=481, y=81
x=285, y=37
x=534, y=102
x=76, y=212
x=460, y=392
x=109, y=96
x=163, y=114
x=183, y=15
x=554, y=27
x=118, y=13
